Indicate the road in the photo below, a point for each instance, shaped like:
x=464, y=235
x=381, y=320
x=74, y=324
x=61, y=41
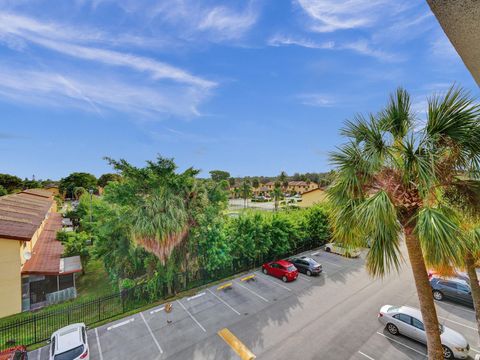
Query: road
x=333, y=316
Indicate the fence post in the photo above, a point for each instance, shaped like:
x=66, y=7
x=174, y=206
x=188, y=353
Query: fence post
x=35, y=327
x=98, y=310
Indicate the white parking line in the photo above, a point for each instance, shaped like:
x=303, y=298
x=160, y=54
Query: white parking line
x=151, y=333
x=224, y=302
x=193, y=318
x=157, y=310
x=253, y=292
x=455, y=322
x=368, y=357
x=265, y=277
x=400, y=343
x=195, y=296
x=315, y=253
x=121, y=324
x=477, y=351
x=98, y=344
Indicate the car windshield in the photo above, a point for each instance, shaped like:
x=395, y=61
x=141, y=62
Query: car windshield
x=70, y=354
x=291, y=268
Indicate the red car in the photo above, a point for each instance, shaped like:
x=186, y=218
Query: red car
x=14, y=353
x=281, y=269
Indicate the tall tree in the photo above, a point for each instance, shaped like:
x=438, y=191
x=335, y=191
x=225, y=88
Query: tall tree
x=277, y=194
x=255, y=183
x=390, y=180
x=68, y=184
x=283, y=179
x=219, y=175
x=245, y=191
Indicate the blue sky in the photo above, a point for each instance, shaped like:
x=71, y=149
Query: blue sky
x=252, y=87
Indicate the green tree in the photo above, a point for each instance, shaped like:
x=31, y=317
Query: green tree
x=277, y=194
x=231, y=181
x=317, y=224
x=390, y=181
x=283, y=179
x=106, y=178
x=246, y=192
x=68, y=184
x=77, y=244
x=3, y=191
x=31, y=184
x=78, y=192
x=10, y=182
x=219, y=175
x=255, y=183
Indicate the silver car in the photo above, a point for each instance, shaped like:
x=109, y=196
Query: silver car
x=408, y=322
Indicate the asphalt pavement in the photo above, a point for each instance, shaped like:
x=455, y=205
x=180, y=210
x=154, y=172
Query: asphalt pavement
x=332, y=316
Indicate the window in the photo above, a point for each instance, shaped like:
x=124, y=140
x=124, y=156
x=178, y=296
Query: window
x=275, y=266
x=53, y=346
x=84, y=336
x=418, y=324
x=448, y=284
x=404, y=318
x=463, y=288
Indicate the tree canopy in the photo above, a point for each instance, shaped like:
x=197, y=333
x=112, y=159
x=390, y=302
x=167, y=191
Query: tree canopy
x=219, y=175
x=84, y=180
x=104, y=179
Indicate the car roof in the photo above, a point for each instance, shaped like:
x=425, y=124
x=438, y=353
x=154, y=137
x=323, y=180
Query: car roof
x=283, y=262
x=452, y=279
x=410, y=311
x=68, y=338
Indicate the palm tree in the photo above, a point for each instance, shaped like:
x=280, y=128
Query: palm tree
x=246, y=191
x=276, y=194
x=283, y=179
x=390, y=179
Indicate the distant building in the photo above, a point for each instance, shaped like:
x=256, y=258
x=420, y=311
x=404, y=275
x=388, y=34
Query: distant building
x=294, y=187
x=312, y=197
x=32, y=271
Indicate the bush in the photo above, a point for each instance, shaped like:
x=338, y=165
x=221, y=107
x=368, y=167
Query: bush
x=317, y=224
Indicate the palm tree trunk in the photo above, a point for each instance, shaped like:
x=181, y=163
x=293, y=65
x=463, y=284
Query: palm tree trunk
x=424, y=293
x=472, y=274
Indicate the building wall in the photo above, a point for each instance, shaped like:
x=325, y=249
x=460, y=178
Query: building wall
x=10, y=278
x=313, y=197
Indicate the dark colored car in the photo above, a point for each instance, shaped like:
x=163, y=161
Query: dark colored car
x=281, y=269
x=14, y=353
x=307, y=265
x=455, y=289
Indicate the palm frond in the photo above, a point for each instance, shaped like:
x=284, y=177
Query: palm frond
x=379, y=221
x=397, y=118
x=440, y=236
x=452, y=117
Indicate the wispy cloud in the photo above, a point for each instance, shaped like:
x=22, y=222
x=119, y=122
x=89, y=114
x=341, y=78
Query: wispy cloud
x=282, y=40
x=317, y=100
x=227, y=23
x=52, y=36
x=97, y=93
x=362, y=47
x=333, y=15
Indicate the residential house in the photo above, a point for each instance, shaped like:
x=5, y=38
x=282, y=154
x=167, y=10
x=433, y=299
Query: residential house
x=294, y=187
x=32, y=271
x=312, y=197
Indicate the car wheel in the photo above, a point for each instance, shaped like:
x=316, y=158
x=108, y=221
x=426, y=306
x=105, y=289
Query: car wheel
x=309, y=273
x=392, y=329
x=284, y=279
x=447, y=353
x=328, y=249
x=437, y=295
x=265, y=271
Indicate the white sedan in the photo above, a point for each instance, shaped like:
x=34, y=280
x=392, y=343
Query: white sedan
x=408, y=322
x=337, y=248
x=70, y=343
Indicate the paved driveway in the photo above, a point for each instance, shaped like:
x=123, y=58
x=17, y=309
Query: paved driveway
x=332, y=316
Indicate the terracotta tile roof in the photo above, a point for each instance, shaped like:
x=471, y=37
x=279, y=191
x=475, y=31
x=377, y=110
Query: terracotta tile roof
x=38, y=192
x=47, y=251
x=21, y=215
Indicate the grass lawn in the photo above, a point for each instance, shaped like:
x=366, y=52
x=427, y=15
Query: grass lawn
x=95, y=282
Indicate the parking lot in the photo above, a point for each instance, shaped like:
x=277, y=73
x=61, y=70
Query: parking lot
x=332, y=316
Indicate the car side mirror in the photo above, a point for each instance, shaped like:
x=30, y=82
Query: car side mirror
x=49, y=341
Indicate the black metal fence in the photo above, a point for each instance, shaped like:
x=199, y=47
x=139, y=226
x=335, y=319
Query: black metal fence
x=32, y=328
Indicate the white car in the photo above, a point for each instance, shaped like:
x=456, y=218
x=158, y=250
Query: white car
x=341, y=250
x=70, y=343
x=408, y=322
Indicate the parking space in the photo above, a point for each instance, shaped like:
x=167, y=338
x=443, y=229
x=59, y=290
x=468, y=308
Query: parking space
x=190, y=330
